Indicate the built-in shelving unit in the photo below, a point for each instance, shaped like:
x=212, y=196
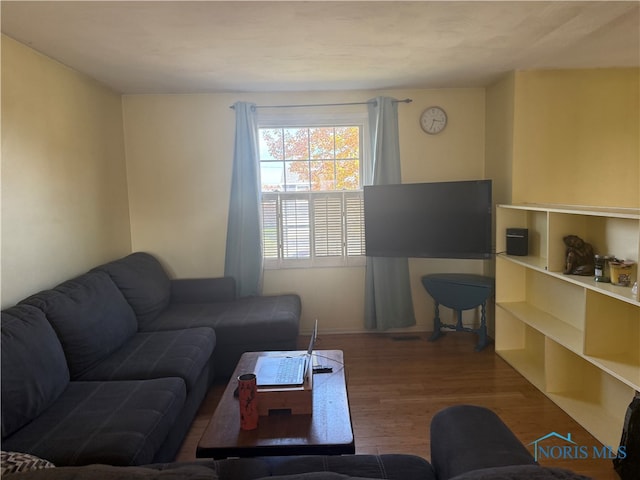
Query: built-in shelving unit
x=575, y=339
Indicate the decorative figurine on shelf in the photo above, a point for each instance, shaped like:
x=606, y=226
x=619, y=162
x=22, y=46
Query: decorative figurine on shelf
x=580, y=258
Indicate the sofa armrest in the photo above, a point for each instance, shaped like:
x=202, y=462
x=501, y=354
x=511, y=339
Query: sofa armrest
x=203, y=290
x=466, y=438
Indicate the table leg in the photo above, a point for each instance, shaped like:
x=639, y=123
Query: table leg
x=459, y=326
x=482, y=331
x=437, y=332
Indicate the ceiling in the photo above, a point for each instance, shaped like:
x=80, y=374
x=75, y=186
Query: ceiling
x=211, y=46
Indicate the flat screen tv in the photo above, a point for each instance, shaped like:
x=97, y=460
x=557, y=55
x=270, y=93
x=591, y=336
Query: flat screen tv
x=429, y=220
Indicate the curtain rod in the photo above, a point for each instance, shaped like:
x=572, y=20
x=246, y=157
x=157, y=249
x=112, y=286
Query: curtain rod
x=373, y=102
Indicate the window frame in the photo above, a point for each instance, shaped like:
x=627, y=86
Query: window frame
x=311, y=120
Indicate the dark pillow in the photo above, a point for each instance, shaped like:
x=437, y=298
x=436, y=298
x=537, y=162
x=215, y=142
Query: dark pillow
x=90, y=316
x=143, y=282
x=34, y=369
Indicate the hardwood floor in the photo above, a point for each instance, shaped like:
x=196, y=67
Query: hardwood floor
x=397, y=382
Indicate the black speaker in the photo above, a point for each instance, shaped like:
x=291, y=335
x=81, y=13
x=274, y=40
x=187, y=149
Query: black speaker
x=517, y=241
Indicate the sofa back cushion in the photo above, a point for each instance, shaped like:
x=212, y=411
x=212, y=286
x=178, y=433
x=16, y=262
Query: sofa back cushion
x=34, y=369
x=90, y=316
x=143, y=282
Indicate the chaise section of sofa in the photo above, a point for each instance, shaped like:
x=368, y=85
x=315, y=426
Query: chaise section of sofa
x=256, y=323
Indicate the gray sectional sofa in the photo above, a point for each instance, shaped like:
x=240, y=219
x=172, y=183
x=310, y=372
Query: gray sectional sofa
x=111, y=367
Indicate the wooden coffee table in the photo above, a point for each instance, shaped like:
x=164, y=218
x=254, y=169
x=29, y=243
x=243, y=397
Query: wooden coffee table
x=326, y=432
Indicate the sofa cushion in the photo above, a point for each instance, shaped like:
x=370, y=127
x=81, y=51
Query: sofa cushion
x=115, y=423
x=181, y=353
x=34, y=369
x=143, y=282
x=281, y=313
x=521, y=472
x=396, y=466
x=246, y=324
x=178, y=316
x=237, y=319
x=90, y=316
x=109, y=472
x=470, y=437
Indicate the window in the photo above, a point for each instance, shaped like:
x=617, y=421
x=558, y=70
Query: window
x=312, y=204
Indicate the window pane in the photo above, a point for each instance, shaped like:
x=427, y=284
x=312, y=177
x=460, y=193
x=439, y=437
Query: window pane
x=321, y=143
x=296, y=143
x=347, y=142
x=272, y=176
x=347, y=175
x=322, y=176
x=297, y=176
x=271, y=144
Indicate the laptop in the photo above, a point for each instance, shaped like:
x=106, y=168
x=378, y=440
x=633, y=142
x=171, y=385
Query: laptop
x=285, y=371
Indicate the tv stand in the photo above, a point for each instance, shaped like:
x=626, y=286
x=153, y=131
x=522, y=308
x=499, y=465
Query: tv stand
x=460, y=291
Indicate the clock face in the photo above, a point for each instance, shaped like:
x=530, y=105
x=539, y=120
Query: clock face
x=433, y=120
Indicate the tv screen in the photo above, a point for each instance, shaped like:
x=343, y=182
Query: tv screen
x=432, y=220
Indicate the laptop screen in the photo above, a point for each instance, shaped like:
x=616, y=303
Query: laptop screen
x=312, y=341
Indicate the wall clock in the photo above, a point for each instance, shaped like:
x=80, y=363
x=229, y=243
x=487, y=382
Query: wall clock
x=433, y=120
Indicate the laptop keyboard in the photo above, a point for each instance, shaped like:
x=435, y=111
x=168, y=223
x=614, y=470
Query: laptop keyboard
x=289, y=370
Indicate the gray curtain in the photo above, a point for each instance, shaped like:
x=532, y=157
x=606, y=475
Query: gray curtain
x=388, y=302
x=243, y=260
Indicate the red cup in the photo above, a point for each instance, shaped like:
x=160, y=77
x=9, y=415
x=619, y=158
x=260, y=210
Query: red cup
x=248, y=401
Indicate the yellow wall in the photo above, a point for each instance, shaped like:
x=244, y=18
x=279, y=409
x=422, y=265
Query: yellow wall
x=69, y=201
x=179, y=153
x=576, y=137
x=64, y=198
x=499, y=137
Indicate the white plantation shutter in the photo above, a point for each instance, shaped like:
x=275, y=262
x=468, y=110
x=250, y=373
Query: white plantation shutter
x=327, y=225
x=270, y=226
x=330, y=222
x=354, y=224
x=296, y=234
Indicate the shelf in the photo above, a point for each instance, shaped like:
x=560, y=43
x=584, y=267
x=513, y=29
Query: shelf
x=614, y=212
x=587, y=393
x=539, y=264
x=615, y=291
x=602, y=425
x=575, y=339
x=546, y=324
x=527, y=364
x=612, y=337
x=521, y=346
x=622, y=367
